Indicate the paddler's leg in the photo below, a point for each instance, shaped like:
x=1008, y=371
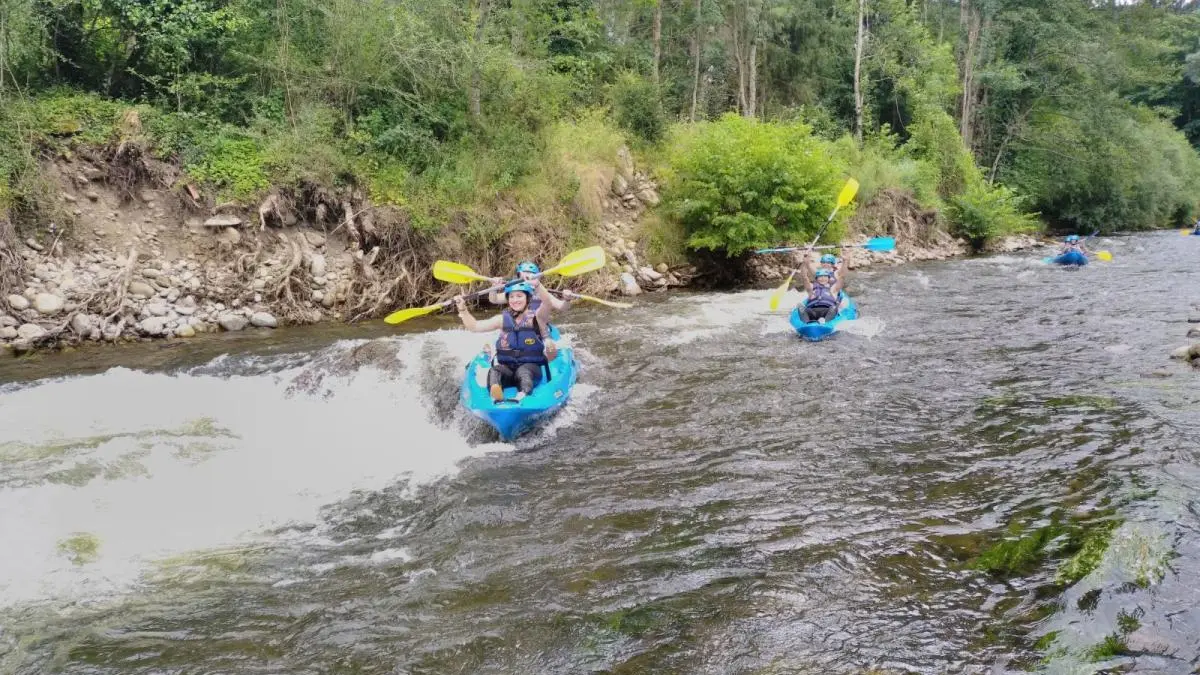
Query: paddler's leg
x=528, y=376
x=499, y=377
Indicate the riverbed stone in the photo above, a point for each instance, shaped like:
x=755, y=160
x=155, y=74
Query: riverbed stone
x=48, y=304
x=317, y=265
x=7, y=321
x=232, y=322
x=18, y=303
x=629, y=285
x=156, y=308
x=185, y=331
x=1194, y=318
x=30, y=331
x=141, y=289
x=223, y=221
x=1194, y=332
x=8, y=333
x=83, y=324
x=153, y=326
x=263, y=320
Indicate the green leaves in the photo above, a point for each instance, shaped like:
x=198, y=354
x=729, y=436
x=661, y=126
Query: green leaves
x=739, y=184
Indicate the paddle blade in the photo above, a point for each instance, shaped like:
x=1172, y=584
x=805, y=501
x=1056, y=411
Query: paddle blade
x=1104, y=255
x=410, y=313
x=881, y=244
x=1185, y=233
x=455, y=273
x=606, y=303
x=777, y=296
x=579, y=262
x=847, y=194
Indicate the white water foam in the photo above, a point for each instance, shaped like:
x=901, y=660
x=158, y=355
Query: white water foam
x=146, y=466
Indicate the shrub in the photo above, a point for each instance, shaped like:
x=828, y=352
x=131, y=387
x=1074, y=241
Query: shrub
x=637, y=107
x=737, y=184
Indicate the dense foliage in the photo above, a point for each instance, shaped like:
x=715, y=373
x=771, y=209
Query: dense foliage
x=1084, y=112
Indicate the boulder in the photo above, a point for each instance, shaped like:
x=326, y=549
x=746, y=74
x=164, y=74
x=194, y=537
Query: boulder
x=18, y=303
x=141, y=289
x=153, y=326
x=8, y=333
x=30, y=331
x=1183, y=353
x=232, y=322
x=185, y=331
x=224, y=220
x=263, y=320
x=7, y=321
x=317, y=265
x=48, y=304
x=619, y=185
x=648, y=196
x=83, y=324
x=649, y=274
x=629, y=285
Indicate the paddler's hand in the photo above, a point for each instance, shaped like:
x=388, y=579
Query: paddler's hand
x=569, y=295
x=460, y=303
x=498, y=282
x=551, y=348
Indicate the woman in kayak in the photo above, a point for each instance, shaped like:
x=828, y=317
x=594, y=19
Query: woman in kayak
x=835, y=266
x=824, y=291
x=1073, y=243
x=525, y=271
x=524, y=346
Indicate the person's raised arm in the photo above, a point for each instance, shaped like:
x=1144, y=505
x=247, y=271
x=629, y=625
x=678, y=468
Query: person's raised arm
x=471, y=323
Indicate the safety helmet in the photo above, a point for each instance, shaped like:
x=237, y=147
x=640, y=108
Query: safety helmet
x=521, y=287
x=824, y=273
x=829, y=259
x=1072, y=238
x=528, y=266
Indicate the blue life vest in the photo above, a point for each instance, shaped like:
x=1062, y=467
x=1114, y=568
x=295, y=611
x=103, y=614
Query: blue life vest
x=821, y=296
x=520, y=340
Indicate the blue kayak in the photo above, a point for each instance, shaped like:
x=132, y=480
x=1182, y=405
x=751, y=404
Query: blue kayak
x=1069, y=258
x=512, y=418
x=819, y=330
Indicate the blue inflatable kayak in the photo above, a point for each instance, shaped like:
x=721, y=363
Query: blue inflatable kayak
x=819, y=330
x=1069, y=258
x=511, y=418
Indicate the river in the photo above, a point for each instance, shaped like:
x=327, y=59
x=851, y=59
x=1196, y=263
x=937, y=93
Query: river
x=719, y=497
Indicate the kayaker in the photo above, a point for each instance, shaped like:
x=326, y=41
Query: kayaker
x=524, y=346
x=1196, y=227
x=835, y=265
x=824, y=291
x=525, y=271
x=1073, y=243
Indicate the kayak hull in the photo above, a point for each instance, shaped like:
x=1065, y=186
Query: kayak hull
x=511, y=418
x=817, y=331
x=1070, y=258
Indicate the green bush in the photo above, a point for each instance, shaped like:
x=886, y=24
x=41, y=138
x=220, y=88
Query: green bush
x=637, y=107
x=233, y=164
x=737, y=184
x=984, y=212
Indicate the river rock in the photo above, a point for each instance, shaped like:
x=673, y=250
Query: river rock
x=153, y=326
x=156, y=308
x=48, y=304
x=648, y=196
x=223, y=221
x=18, y=303
x=317, y=265
x=1183, y=353
x=8, y=333
x=30, y=331
x=151, y=273
x=185, y=331
x=649, y=274
x=1194, y=318
x=629, y=285
x=315, y=239
x=619, y=185
x=7, y=321
x=263, y=320
x=83, y=324
x=318, y=296
x=1194, y=332
x=662, y=268
x=141, y=289
x=232, y=322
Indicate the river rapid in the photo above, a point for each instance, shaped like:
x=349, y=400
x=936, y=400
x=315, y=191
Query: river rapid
x=718, y=497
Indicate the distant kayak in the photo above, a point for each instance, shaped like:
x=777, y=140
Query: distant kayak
x=511, y=418
x=819, y=330
x=1069, y=258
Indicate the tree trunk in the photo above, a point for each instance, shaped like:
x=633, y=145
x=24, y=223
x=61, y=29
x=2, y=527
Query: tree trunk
x=752, y=96
x=657, y=39
x=474, y=94
x=696, y=58
x=858, y=54
x=966, y=122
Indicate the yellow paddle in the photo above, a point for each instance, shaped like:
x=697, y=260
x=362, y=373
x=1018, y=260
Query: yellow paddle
x=844, y=198
x=455, y=273
x=573, y=264
x=606, y=303
x=1104, y=255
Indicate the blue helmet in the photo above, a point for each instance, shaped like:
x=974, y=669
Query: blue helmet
x=527, y=266
x=824, y=273
x=521, y=287
x=1071, y=239
x=829, y=259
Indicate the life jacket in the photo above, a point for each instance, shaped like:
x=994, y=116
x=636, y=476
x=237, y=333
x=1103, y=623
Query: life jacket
x=534, y=303
x=821, y=296
x=520, y=340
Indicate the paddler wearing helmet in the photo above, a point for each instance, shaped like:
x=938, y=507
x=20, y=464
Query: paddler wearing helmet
x=525, y=271
x=1073, y=243
x=824, y=291
x=524, y=346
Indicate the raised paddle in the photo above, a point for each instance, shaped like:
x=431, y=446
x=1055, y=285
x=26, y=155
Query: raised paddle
x=600, y=301
x=844, y=198
x=882, y=244
x=573, y=264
